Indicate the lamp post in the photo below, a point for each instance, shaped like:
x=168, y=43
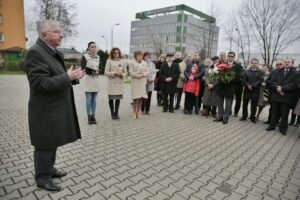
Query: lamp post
x=106, y=42
x=112, y=34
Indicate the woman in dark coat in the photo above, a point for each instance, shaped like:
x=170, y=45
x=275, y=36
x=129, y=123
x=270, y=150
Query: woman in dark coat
x=157, y=85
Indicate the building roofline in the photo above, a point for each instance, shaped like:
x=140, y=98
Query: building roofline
x=181, y=7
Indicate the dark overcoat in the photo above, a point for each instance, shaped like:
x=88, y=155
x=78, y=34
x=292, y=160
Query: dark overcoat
x=227, y=90
x=52, y=114
x=254, y=79
x=165, y=72
x=289, y=84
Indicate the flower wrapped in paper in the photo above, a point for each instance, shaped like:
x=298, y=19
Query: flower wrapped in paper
x=222, y=73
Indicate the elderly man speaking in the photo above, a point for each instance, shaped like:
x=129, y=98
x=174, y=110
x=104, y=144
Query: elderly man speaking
x=52, y=114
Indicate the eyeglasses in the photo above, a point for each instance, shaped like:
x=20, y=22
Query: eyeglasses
x=230, y=56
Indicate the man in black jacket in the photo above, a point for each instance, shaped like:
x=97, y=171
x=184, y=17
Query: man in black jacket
x=52, y=116
x=284, y=87
x=251, y=80
x=201, y=71
x=169, y=74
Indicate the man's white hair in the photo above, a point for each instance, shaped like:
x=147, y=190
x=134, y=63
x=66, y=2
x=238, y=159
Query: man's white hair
x=44, y=25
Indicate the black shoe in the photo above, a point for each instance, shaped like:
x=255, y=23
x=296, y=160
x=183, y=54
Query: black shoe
x=291, y=123
x=177, y=107
x=171, y=111
x=50, y=187
x=93, y=119
x=90, y=120
x=190, y=112
x=164, y=110
x=185, y=112
x=196, y=112
x=253, y=120
x=270, y=129
x=218, y=120
x=297, y=124
x=283, y=132
x=116, y=115
x=236, y=115
x=113, y=117
x=267, y=122
x=59, y=174
x=225, y=120
x=243, y=119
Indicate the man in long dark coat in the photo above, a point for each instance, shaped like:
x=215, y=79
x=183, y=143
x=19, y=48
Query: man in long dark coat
x=52, y=114
x=252, y=80
x=169, y=74
x=284, y=85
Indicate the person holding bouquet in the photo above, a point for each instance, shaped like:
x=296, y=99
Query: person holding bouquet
x=229, y=74
x=116, y=71
x=90, y=62
x=139, y=72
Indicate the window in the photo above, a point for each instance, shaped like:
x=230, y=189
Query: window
x=1, y=19
x=1, y=37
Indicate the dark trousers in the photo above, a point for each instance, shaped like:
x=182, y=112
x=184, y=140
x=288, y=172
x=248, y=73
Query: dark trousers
x=159, y=97
x=280, y=111
x=44, y=160
x=168, y=104
x=238, y=98
x=253, y=108
x=199, y=98
x=190, y=101
x=146, y=103
x=224, y=113
x=179, y=95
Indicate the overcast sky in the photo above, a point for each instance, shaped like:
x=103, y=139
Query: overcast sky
x=95, y=18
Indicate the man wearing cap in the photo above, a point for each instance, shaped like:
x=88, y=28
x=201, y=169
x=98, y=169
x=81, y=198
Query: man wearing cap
x=169, y=74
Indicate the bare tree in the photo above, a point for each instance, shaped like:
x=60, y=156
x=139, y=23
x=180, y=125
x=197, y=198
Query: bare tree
x=274, y=25
x=59, y=10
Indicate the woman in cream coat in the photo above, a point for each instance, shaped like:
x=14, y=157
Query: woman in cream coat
x=90, y=63
x=138, y=71
x=116, y=71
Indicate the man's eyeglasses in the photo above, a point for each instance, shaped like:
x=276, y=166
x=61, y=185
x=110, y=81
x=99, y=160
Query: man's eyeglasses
x=230, y=56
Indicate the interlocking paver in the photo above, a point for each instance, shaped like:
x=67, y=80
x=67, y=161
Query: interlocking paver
x=161, y=156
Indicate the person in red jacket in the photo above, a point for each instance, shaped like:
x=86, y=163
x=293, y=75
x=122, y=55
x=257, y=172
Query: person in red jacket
x=191, y=89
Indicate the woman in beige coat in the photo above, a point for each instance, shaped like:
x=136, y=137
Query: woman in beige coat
x=116, y=71
x=138, y=71
x=90, y=63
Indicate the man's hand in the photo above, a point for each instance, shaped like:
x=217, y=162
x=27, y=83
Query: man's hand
x=75, y=74
x=210, y=86
x=169, y=79
x=191, y=78
x=249, y=87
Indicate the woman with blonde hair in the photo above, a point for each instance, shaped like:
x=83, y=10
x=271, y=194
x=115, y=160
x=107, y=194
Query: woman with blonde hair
x=139, y=72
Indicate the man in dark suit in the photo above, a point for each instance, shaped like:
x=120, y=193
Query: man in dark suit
x=201, y=71
x=52, y=114
x=169, y=74
x=251, y=80
x=284, y=86
x=225, y=92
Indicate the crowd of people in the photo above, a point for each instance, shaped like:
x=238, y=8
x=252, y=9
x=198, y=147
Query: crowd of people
x=257, y=85
x=52, y=114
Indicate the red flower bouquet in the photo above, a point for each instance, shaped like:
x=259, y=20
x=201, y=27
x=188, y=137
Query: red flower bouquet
x=223, y=73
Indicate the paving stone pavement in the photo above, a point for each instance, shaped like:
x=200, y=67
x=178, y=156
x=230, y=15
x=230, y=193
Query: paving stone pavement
x=161, y=156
